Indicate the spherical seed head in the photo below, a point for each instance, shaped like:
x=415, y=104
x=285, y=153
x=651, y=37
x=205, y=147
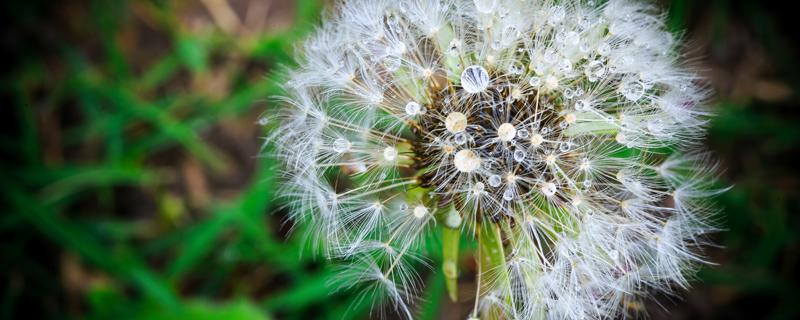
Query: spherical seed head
x=515, y=114
x=466, y=161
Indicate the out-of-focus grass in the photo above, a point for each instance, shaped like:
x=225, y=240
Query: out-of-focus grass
x=132, y=186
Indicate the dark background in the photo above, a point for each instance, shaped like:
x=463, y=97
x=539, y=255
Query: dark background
x=132, y=185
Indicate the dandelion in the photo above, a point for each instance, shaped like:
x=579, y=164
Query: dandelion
x=561, y=136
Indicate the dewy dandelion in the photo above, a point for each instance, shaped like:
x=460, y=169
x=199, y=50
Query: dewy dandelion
x=562, y=136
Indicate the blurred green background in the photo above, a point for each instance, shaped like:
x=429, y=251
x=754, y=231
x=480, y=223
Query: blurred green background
x=134, y=186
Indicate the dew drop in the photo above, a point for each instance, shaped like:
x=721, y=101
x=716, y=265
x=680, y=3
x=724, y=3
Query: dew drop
x=535, y=81
x=632, y=90
x=523, y=133
x=454, y=48
x=564, y=146
x=565, y=66
x=413, y=108
x=509, y=34
x=495, y=180
x=478, y=187
x=594, y=70
x=403, y=206
x=474, y=79
x=604, y=49
x=557, y=14
x=341, y=145
x=420, y=211
x=545, y=130
x=263, y=121
x=581, y=105
x=516, y=68
x=572, y=38
x=390, y=153
x=548, y=189
x=460, y=138
x=587, y=183
x=508, y=195
x=519, y=155
x=568, y=93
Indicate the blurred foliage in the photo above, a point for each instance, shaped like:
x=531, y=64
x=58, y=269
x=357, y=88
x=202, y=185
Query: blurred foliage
x=132, y=187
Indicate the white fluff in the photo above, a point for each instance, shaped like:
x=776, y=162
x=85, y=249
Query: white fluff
x=596, y=216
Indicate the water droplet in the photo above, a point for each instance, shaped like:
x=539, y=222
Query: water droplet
x=564, y=146
x=509, y=35
x=568, y=93
x=460, y=138
x=549, y=189
x=594, y=70
x=495, y=180
x=550, y=55
x=516, y=68
x=508, y=195
x=403, y=206
x=535, y=81
x=557, y=14
x=454, y=48
x=263, y=121
x=604, y=49
x=523, y=133
x=545, y=130
x=341, y=145
x=572, y=38
x=587, y=183
x=519, y=155
x=478, y=188
x=420, y=211
x=413, y=108
x=632, y=89
x=474, y=79
x=565, y=66
x=581, y=105
x=390, y=153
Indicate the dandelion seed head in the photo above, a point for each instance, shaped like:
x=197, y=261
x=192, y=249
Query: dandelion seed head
x=548, y=119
